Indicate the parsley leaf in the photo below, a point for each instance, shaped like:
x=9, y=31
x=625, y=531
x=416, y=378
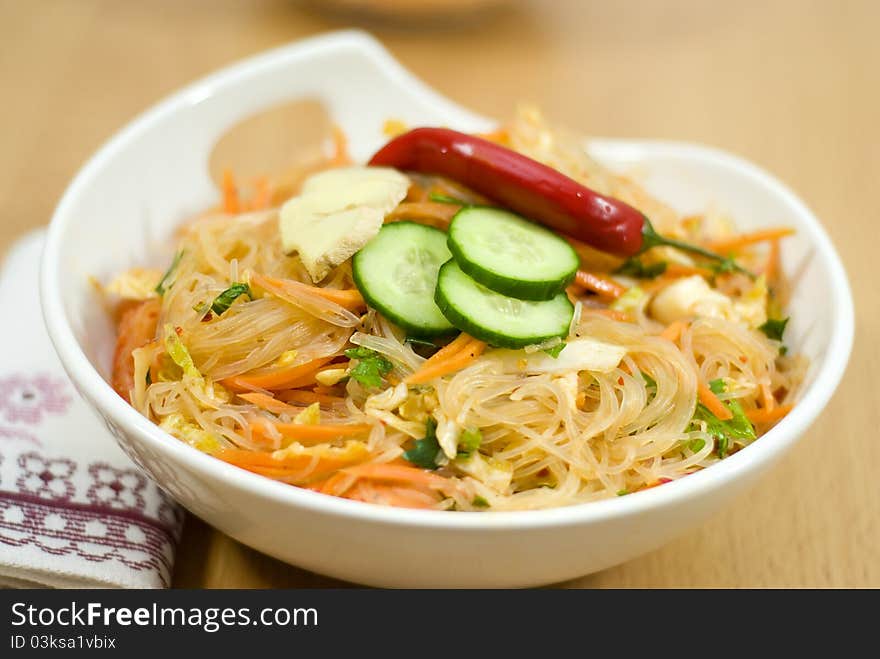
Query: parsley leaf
x=774, y=328
x=555, y=350
x=425, y=451
x=479, y=502
x=724, y=432
x=636, y=268
x=371, y=366
x=622, y=493
x=223, y=301
x=162, y=285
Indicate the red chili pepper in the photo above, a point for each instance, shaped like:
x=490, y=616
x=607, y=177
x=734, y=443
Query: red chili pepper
x=529, y=188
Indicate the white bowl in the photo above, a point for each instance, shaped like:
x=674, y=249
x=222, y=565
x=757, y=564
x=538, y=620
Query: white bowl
x=131, y=194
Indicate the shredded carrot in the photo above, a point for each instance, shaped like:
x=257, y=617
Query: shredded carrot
x=391, y=495
x=681, y=270
x=270, y=403
x=277, y=377
x=307, y=434
x=303, y=397
x=449, y=349
x=350, y=298
x=713, y=403
x=296, y=467
x=673, y=330
x=745, y=239
x=231, y=203
x=398, y=472
x=771, y=267
x=603, y=286
x=430, y=371
x=434, y=213
x=136, y=328
x=768, y=415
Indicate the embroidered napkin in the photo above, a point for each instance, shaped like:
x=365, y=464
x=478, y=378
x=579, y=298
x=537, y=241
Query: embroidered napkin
x=74, y=510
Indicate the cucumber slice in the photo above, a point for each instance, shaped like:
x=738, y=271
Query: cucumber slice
x=396, y=272
x=511, y=255
x=497, y=319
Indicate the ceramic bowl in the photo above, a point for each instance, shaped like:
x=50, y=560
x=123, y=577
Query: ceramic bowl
x=131, y=194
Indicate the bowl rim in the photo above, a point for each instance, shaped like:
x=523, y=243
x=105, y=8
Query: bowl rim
x=92, y=385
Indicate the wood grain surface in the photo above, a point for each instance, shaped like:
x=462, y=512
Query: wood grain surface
x=792, y=85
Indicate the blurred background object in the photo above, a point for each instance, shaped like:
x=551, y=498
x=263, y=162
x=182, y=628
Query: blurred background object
x=789, y=84
x=407, y=11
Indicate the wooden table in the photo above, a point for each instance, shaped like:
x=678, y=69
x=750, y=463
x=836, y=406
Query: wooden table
x=791, y=85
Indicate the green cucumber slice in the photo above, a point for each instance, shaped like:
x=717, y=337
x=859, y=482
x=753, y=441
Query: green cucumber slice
x=500, y=320
x=396, y=272
x=511, y=255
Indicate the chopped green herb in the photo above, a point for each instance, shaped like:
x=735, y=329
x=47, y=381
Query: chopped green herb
x=201, y=308
x=425, y=451
x=371, y=366
x=774, y=328
x=445, y=199
x=717, y=386
x=555, y=350
x=725, y=432
x=696, y=445
x=634, y=267
x=479, y=502
x=469, y=441
x=223, y=301
x=162, y=285
x=622, y=493
x=649, y=381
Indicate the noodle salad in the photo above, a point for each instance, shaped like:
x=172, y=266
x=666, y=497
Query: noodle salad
x=469, y=323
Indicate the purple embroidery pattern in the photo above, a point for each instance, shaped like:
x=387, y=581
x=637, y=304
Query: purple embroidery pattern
x=27, y=399
x=116, y=488
x=46, y=478
x=94, y=512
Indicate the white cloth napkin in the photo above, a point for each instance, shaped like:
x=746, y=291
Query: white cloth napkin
x=74, y=510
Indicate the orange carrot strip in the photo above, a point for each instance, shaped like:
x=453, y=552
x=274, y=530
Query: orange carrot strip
x=350, y=298
x=449, y=349
x=743, y=240
x=137, y=327
x=473, y=349
x=308, y=434
x=680, y=270
x=303, y=397
x=768, y=416
x=277, y=377
x=270, y=404
x=713, y=403
x=772, y=265
x=231, y=203
x=389, y=495
x=397, y=472
x=673, y=330
x=292, y=465
x=602, y=286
